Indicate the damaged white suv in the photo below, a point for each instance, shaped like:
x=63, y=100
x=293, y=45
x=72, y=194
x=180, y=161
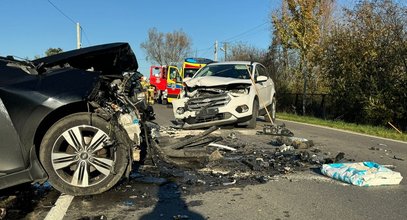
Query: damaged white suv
x=224, y=93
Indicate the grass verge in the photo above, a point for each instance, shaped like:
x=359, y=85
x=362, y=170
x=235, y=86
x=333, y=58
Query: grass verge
x=363, y=129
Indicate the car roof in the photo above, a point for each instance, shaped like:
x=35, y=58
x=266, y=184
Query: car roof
x=234, y=62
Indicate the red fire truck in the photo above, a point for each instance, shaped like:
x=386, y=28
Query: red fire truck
x=167, y=83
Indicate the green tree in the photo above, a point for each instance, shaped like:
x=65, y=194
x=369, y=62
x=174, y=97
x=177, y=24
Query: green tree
x=298, y=27
x=53, y=51
x=365, y=62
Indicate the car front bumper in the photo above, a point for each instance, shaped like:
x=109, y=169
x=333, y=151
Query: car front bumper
x=214, y=110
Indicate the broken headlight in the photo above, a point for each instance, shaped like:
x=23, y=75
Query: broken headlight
x=180, y=110
x=239, y=92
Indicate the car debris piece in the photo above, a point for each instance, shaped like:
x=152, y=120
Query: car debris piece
x=362, y=173
x=339, y=157
x=284, y=148
x=222, y=146
x=398, y=158
x=188, y=141
x=232, y=136
x=3, y=213
x=296, y=142
x=229, y=183
x=274, y=129
x=216, y=155
x=203, y=142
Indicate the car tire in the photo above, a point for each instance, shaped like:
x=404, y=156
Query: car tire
x=255, y=113
x=272, y=112
x=76, y=158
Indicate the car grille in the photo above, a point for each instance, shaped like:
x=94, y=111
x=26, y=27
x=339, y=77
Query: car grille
x=214, y=101
x=209, y=118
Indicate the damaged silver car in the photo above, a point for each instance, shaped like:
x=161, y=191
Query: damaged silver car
x=77, y=119
x=226, y=93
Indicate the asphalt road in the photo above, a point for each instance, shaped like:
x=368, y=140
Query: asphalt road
x=300, y=195
x=308, y=195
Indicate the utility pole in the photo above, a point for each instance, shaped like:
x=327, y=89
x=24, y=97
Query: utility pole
x=225, y=49
x=78, y=36
x=216, y=51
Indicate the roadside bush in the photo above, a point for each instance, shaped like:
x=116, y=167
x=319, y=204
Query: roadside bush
x=365, y=64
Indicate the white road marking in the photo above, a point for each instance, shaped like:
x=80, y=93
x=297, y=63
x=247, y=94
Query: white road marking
x=61, y=206
x=345, y=131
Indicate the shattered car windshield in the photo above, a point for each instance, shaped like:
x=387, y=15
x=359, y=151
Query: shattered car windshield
x=237, y=71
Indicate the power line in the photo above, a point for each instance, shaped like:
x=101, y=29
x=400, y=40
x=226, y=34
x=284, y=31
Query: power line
x=86, y=36
x=245, y=32
x=247, y=36
x=60, y=11
x=205, y=49
x=72, y=20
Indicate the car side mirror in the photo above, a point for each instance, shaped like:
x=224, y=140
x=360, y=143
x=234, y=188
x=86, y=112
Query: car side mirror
x=261, y=79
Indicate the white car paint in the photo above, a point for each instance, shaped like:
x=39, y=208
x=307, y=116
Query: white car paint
x=264, y=93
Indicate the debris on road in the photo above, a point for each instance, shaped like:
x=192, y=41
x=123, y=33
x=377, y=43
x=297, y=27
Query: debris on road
x=284, y=148
x=274, y=129
x=398, y=158
x=362, y=173
x=229, y=183
x=220, y=146
x=199, y=162
x=194, y=139
x=180, y=217
x=339, y=157
x=296, y=142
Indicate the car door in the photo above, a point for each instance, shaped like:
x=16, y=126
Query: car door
x=11, y=158
x=174, y=82
x=264, y=88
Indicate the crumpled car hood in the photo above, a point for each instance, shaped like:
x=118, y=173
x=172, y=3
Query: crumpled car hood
x=112, y=59
x=213, y=81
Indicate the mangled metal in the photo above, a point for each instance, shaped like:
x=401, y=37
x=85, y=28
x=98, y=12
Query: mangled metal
x=77, y=90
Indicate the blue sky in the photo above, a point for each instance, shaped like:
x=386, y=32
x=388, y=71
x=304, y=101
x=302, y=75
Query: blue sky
x=29, y=27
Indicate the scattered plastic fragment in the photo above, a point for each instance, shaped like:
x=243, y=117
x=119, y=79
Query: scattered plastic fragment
x=284, y=148
x=362, y=173
x=222, y=146
x=229, y=183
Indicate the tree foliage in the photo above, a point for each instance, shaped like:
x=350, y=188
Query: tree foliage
x=53, y=51
x=298, y=28
x=365, y=63
x=166, y=48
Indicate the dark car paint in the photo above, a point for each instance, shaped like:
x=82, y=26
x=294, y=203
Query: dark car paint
x=27, y=100
x=109, y=58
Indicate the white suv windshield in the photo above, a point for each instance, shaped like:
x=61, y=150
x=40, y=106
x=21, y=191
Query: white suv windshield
x=237, y=71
